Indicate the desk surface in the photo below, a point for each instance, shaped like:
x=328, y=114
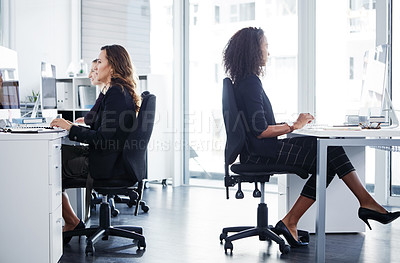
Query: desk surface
x=31, y=136
x=365, y=133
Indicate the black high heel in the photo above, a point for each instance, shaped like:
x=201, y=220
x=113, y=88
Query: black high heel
x=281, y=229
x=80, y=225
x=364, y=214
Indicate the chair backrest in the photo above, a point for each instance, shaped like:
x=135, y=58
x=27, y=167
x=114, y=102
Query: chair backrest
x=135, y=148
x=235, y=131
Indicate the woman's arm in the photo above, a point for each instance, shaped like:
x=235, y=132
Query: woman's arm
x=284, y=128
x=276, y=130
x=111, y=118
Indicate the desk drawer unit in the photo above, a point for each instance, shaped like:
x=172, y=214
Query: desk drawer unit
x=30, y=166
x=54, y=172
x=55, y=237
x=55, y=192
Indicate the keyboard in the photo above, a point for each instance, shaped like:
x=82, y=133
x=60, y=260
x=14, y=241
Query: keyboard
x=343, y=127
x=36, y=129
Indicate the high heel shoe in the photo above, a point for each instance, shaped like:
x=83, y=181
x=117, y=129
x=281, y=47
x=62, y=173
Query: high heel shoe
x=80, y=225
x=281, y=229
x=364, y=214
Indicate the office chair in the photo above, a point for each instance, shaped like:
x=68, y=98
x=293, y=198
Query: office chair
x=134, y=154
x=131, y=196
x=251, y=173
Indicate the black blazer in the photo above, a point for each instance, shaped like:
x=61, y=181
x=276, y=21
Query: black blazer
x=113, y=121
x=256, y=109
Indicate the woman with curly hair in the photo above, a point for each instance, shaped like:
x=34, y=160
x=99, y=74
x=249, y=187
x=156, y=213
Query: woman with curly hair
x=244, y=58
x=114, y=120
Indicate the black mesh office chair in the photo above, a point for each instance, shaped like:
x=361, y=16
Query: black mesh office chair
x=134, y=155
x=251, y=173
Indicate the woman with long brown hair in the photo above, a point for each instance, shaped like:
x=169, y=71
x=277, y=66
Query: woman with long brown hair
x=114, y=119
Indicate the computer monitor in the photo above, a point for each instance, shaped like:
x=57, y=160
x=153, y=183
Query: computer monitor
x=375, y=99
x=374, y=81
x=48, y=90
x=9, y=84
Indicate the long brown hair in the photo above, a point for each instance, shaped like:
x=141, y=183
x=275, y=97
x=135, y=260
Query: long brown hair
x=242, y=55
x=124, y=74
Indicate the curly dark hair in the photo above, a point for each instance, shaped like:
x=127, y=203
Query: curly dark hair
x=242, y=56
x=124, y=74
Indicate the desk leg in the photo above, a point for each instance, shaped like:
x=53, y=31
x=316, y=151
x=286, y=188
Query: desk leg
x=321, y=199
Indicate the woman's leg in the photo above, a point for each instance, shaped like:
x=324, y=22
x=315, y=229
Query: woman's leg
x=296, y=212
x=70, y=218
x=302, y=154
x=364, y=198
x=74, y=166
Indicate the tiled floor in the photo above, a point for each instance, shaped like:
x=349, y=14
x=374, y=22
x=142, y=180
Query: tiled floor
x=184, y=223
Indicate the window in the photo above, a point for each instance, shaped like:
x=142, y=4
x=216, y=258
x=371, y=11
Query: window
x=216, y=14
x=395, y=178
x=345, y=31
x=2, y=24
x=287, y=7
x=1, y=27
x=338, y=41
x=247, y=12
x=206, y=43
x=234, y=13
x=351, y=68
x=195, y=12
x=124, y=22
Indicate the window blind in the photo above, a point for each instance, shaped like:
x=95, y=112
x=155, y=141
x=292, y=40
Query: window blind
x=123, y=22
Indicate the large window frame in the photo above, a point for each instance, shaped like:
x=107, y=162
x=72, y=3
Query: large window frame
x=307, y=87
x=306, y=81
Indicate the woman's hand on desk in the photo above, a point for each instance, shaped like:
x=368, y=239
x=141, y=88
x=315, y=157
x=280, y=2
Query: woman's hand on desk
x=302, y=120
x=80, y=120
x=61, y=123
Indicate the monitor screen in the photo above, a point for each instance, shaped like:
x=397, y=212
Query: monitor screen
x=374, y=80
x=9, y=95
x=9, y=84
x=48, y=90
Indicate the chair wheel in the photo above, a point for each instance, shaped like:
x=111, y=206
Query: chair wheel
x=285, y=249
x=164, y=182
x=239, y=194
x=141, y=244
x=89, y=249
x=145, y=208
x=114, y=212
x=222, y=237
x=228, y=245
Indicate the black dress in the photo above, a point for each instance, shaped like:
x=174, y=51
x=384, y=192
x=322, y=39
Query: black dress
x=254, y=105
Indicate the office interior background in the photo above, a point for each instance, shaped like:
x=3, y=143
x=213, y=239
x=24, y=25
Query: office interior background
x=315, y=64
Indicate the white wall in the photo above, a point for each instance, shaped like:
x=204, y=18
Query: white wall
x=41, y=31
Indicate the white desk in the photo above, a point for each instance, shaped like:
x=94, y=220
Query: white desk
x=340, y=138
x=30, y=190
